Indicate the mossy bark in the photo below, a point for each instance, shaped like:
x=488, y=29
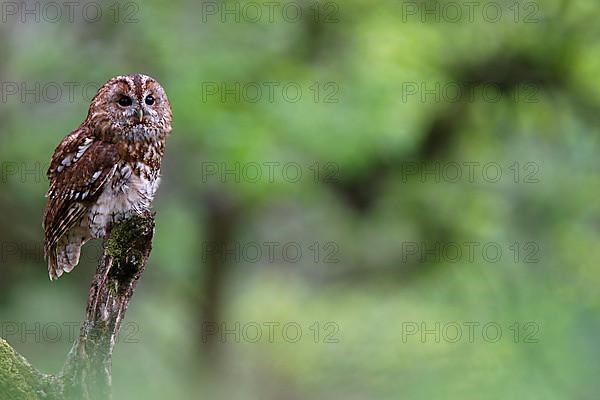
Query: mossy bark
x=86, y=374
x=20, y=381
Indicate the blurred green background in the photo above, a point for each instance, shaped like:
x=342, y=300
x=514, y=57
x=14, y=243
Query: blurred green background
x=385, y=288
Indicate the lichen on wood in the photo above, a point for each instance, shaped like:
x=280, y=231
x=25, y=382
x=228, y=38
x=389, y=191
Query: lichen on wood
x=19, y=380
x=86, y=374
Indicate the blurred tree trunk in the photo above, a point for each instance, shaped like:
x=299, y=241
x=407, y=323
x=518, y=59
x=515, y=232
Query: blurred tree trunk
x=87, y=374
x=222, y=221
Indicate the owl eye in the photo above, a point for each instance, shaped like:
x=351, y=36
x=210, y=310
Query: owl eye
x=149, y=100
x=125, y=101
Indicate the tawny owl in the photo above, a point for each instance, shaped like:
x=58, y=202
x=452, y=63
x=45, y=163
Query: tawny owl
x=107, y=169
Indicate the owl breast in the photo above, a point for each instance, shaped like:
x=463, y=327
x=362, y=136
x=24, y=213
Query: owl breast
x=130, y=191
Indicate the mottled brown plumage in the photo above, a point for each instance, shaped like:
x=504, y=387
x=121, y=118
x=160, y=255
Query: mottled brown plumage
x=106, y=169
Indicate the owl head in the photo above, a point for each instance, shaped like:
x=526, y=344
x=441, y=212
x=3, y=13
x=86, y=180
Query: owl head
x=130, y=107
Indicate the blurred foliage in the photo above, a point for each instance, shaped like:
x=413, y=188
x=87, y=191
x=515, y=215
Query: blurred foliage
x=370, y=211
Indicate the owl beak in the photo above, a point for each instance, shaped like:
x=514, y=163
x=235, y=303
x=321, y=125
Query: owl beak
x=140, y=114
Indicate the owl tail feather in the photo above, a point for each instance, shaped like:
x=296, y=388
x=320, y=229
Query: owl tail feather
x=63, y=258
x=53, y=269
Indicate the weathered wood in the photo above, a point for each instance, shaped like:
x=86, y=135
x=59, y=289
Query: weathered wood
x=86, y=374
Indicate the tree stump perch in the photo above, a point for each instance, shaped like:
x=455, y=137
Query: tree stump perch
x=86, y=374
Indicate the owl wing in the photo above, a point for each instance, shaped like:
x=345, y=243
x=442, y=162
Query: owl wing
x=80, y=167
